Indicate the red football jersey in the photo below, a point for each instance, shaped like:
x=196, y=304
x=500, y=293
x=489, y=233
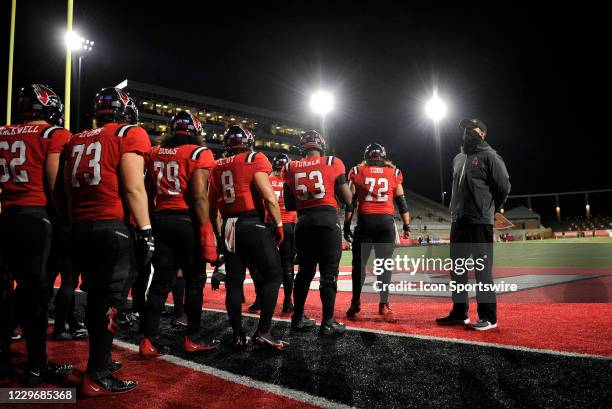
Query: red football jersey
x=375, y=188
x=169, y=171
x=232, y=183
x=93, y=162
x=313, y=180
x=23, y=153
x=286, y=216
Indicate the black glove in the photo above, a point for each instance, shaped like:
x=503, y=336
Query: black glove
x=407, y=228
x=145, y=245
x=348, y=234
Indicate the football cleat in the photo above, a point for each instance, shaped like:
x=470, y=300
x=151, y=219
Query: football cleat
x=47, y=373
x=452, y=319
x=108, y=385
x=385, y=311
x=332, y=328
x=269, y=340
x=147, y=350
x=353, y=310
x=190, y=345
x=302, y=323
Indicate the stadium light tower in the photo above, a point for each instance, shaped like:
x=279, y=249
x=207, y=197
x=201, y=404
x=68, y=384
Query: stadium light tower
x=81, y=46
x=322, y=103
x=435, y=109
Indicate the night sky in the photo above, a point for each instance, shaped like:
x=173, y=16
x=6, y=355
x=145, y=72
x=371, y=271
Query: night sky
x=537, y=78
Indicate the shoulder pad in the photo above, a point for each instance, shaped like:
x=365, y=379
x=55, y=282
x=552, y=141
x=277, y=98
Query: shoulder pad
x=330, y=160
x=251, y=157
x=48, y=133
x=123, y=130
x=195, y=155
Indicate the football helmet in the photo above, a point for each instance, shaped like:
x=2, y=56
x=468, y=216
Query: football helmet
x=37, y=101
x=311, y=140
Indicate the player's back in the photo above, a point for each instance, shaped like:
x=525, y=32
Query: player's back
x=93, y=158
x=23, y=154
x=233, y=179
x=169, y=170
x=313, y=181
x=375, y=187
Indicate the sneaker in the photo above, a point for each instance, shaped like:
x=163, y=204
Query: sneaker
x=47, y=373
x=192, y=345
x=179, y=321
x=302, y=323
x=255, y=306
x=332, y=328
x=452, y=319
x=353, y=310
x=147, y=350
x=483, y=325
x=269, y=340
x=287, y=306
x=385, y=310
x=109, y=385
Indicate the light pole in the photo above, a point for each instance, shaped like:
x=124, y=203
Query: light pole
x=436, y=110
x=79, y=45
x=321, y=103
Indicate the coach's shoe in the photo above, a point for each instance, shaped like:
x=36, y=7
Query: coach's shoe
x=287, y=306
x=47, y=373
x=483, y=325
x=256, y=306
x=241, y=341
x=452, y=319
x=302, y=323
x=332, y=328
x=114, y=366
x=147, y=350
x=353, y=310
x=269, y=340
x=195, y=345
x=93, y=386
x=385, y=310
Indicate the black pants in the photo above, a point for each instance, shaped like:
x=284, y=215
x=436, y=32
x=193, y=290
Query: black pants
x=255, y=249
x=59, y=263
x=476, y=241
x=25, y=239
x=318, y=240
x=7, y=313
x=373, y=232
x=102, y=251
x=176, y=246
x=287, y=255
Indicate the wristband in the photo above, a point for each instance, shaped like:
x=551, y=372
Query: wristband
x=147, y=227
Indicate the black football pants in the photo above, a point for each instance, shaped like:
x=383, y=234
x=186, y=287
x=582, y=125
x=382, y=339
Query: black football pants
x=476, y=241
x=318, y=240
x=373, y=232
x=177, y=245
x=254, y=248
x=287, y=255
x=102, y=251
x=25, y=240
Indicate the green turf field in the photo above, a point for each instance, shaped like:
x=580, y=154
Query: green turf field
x=583, y=252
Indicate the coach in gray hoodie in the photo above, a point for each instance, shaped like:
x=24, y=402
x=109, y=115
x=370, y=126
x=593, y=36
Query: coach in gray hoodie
x=480, y=187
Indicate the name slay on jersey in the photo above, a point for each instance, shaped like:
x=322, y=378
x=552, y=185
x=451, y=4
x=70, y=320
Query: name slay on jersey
x=301, y=164
x=17, y=130
x=167, y=151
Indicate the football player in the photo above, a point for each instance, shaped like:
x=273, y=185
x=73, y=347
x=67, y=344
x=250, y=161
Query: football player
x=240, y=188
x=287, y=247
x=376, y=184
x=29, y=165
x=177, y=177
x=311, y=186
x=104, y=179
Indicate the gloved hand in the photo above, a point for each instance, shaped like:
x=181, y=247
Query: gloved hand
x=145, y=244
x=406, y=229
x=279, y=234
x=207, y=243
x=348, y=234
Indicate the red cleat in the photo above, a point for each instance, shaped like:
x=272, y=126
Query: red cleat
x=190, y=346
x=104, y=386
x=147, y=350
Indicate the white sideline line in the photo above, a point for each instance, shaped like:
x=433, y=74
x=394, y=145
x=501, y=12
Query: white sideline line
x=242, y=380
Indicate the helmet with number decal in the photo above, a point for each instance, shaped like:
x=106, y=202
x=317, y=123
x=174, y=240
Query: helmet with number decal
x=280, y=161
x=237, y=137
x=311, y=140
x=375, y=151
x=185, y=123
x=114, y=105
x=37, y=101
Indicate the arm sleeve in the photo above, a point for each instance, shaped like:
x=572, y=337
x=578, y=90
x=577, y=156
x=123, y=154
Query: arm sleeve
x=400, y=202
x=288, y=198
x=499, y=180
x=57, y=141
x=135, y=140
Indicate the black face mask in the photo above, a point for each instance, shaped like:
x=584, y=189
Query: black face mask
x=471, y=139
